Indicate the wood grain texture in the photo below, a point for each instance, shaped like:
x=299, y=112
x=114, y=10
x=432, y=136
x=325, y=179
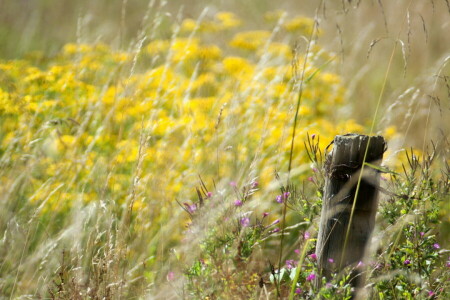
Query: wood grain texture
x=343, y=167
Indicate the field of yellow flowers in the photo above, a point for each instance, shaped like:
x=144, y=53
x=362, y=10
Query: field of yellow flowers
x=116, y=164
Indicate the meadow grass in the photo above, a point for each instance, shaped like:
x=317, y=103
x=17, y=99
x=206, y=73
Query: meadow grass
x=185, y=159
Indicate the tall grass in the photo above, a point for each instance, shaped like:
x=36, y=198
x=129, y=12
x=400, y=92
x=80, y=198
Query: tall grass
x=147, y=150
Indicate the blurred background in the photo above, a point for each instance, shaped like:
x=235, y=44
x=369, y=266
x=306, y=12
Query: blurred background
x=362, y=33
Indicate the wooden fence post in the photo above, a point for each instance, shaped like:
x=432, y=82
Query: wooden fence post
x=343, y=166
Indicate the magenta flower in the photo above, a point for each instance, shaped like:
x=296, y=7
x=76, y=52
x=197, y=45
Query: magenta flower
x=422, y=234
x=313, y=256
x=407, y=262
x=245, y=222
x=315, y=170
x=255, y=184
x=238, y=203
x=360, y=264
x=330, y=260
x=286, y=195
x=233, y=183
x=265, y=214
x=311, y=277
x=298, y=290
x=279, y=199
x=310, y=178
x=431, y=293
x=209, y=194
x=297, y=251
x=306, y=235
x=436, y=246
x=276, y=230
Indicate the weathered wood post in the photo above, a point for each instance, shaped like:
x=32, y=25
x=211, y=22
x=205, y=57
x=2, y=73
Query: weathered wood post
x=343, y=234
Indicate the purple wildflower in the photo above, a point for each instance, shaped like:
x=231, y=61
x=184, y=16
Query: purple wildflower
x=255, y=184
x=275, y=222
x=306, y=235
x=407, y=262
x=298, y=290
x=436, y=246
x=297, y=251
x=310, y=178
x=286, y=195
x=191, y=208
x=431, y=293
x=276, y=230
x=290, y=263
x=422, y=234
x=209, y=194
x=238, y=203
x=330, y=260
x=265, y=214
x=279, y=199
x=245, y=222
x=233, y=183
x=311, y=277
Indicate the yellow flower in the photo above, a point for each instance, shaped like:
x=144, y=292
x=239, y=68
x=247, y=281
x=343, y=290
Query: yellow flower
x=300, y=24
x=228, y=20
x=237, y=65
x=250, y=40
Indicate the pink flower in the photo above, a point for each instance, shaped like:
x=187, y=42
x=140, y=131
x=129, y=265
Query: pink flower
x=265, y=214
x=245, y=222
x=238, y=203
x=306, y=235
x=298, y=290
x=233, y=183
x=330, y=260
x=286, y=195
x=290, y=263
x=407, y=262
x=360, y=264
x=209, y=194
x=422, y=234
x=191, y=208
x=431, y=293
x=311, y=277
x=276, y=230
x=255, y=184
x=170, y=276
x=310, y=178
x=313, y=256
x=297, y=251
x=436, y=246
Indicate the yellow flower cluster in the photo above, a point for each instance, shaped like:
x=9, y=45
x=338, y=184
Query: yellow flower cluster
x=84, y=125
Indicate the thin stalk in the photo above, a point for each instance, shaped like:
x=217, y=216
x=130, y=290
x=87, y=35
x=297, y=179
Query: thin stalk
x=383, y=87
x=291, y=152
